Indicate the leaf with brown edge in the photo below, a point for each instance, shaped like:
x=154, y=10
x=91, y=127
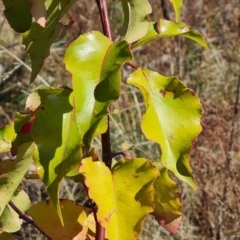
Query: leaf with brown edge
x=172, y=119
x=168, y=207
x=74, y=220
x=166, y=29
x=131, y=182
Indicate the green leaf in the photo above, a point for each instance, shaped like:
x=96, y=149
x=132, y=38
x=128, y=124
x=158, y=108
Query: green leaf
x=7, y=134
x=6, y=236
x=168, y=208
x=136, y=22
x=95, y=63
x=18, y=14
x=39, y=39
x=56, y=135
x=172, y=119
x=126, y=198
x=166, y=29
x=9, y=220
x=75, y=175
x=22, y=127
x=102, y=127
x=12, y=172
x=177, y=5
x=74, y=225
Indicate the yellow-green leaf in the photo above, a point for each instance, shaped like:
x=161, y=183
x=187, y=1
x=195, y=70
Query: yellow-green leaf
x=12, y=173
x=56, y=135
x=124, y=196
x=95, y=64
x=7, y=134
x=9, y=220
x=75, y=225
x=177, y=5
x=172, y=119
x=39, y=39
x=168, y=208
x=136, y=22
x=166, y=29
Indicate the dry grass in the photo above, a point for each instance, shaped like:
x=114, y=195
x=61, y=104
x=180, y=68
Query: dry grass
x=212, y=212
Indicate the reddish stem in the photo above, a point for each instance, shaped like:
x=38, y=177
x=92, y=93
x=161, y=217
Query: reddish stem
x=132, y=65
x=26, y=218
x=106, y=143
x=102, y=6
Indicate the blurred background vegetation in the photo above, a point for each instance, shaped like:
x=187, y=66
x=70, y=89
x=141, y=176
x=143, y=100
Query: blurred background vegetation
x=213, y=212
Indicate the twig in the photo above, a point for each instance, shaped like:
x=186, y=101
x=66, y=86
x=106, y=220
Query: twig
x=105, y=138
x=102, y=6
x=100, y=231
x=132, y=65
x=26, y=218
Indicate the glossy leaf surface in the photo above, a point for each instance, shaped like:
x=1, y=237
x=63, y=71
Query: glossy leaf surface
x=95, y=62
x=166, y=29
x=177, y=5
x=74, y=220
x=39, y=39
x=12, y=172
x=18, y=14
x=168, y=208
x=55, y=133
x=9, y=220
x=172, y=119
x=7, y=134
x=136, y=22
x=128, y=194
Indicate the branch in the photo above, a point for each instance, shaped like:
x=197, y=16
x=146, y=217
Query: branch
x=132, y=65
x=105, y=138
x=102, y=6
x=26, y=218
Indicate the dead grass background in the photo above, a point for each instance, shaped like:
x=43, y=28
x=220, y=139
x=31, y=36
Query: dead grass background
x=213, y=211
